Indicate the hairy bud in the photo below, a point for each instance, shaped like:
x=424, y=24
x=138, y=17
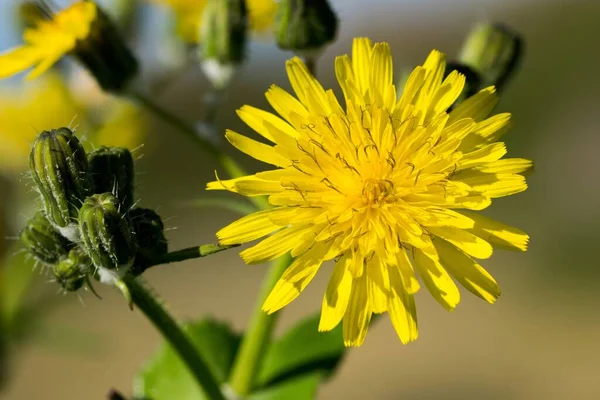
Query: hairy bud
x=106, y=233
x=150, y=238
x=44, y=242
x=59, y=168
x=493, y=52
x=71, y=271
x=305, y=25
x=111, y=170
x=225, y=27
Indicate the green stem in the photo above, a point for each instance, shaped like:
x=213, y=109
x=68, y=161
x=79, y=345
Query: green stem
x=191, y=253
x=233, y=169
x=191, y=132
x=176, y=337
x=258, y=335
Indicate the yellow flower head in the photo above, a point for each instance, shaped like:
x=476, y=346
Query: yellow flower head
x=82, y=30
x=188, y=13
x=381, y=187
x=49, y=41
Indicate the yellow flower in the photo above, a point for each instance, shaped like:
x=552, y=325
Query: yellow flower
x=82, y=30
x=188, y=13
x=48, y=104
x=381, y=187
x=49, y=41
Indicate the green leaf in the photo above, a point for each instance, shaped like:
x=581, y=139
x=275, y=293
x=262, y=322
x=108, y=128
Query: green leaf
x=303, y=349
x=302, y=387
x=165, y=377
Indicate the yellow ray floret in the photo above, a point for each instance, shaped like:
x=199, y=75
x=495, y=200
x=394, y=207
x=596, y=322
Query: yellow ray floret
x=49, y=41
x=385, y=187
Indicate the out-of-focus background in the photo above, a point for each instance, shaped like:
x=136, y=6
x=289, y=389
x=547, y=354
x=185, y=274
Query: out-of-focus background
x=539, y=341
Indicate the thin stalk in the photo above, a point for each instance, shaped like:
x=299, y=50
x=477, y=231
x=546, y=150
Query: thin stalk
x=258, y=335
x=191, y=253
x=232, y=168
x=176, y=337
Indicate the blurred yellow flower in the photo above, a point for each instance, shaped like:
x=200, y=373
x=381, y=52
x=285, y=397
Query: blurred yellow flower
x=49, y=41
x=382, y=187
x=26, y=111
x=48, y=104
x=188, y=13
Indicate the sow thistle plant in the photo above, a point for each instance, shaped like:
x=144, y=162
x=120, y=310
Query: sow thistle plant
x=385, y=182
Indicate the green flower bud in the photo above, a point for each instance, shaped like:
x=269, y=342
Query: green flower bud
x=111, y=170
x=493, y=53
x=71, y=272
x=44, y=242
x=106, y=236
x=305, y=25
x=225, y=27
x=104, y=53
x=150, y=238
x=59, y=168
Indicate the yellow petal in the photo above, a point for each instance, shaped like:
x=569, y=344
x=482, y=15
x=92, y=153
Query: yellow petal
x=382, y=73
x=250, y=227
x=337, y=296
x=478, y=106
x=284, y=103
x=295, y=278
x=507, y=166
x=257, y=150
x=247, y=185
x=305, y=85
x=378, y=285
x=494, y=185
x=17, y=60
x=361, y=62
x=467, y=242
x=357, y=317
x=256, y=118
x=498, y=234
x=402, y=308
x=437, y=280
x=407, y=272
x=489, y=153
x=274, y=246
x=466, y=271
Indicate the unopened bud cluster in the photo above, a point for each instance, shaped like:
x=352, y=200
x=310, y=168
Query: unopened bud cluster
x=89, y=226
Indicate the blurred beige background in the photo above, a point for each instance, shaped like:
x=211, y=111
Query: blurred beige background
x=539, y=341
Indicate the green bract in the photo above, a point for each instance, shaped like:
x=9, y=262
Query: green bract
x=44, y=242
x=111, y=170
x=106, y=233
x=59, y=168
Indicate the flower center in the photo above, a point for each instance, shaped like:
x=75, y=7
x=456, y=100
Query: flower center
x=377, y=192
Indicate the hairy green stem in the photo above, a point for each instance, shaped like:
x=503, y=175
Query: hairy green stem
x=175, y=336
x=258, y=334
